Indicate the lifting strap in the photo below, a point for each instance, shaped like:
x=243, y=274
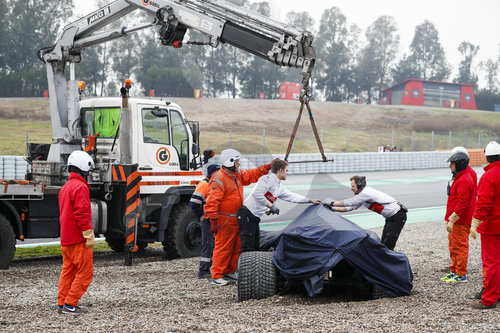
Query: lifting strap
x=305, y=101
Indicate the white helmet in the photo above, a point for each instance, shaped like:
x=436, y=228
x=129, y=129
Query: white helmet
x=228, y=157
x=458, y=153
x=459, y=149
x=493, y=148
x=81, y=160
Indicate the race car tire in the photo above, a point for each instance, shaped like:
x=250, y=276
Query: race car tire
x=257, y=277
x=378, y=293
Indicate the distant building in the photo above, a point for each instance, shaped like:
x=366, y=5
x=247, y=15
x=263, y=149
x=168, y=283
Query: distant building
x=290, y=90
x=430, y=93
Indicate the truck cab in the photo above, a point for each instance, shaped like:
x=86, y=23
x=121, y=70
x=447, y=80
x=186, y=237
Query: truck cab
x=163, y=143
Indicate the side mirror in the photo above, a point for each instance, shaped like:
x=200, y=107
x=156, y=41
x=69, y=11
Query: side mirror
x=195, y=150
x=196, y=131
x=160, y=113
x=208, y=154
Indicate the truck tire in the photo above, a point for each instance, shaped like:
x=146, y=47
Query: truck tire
x=183, y=234
x=7, y=242
x=257, y=278
x=117, y=244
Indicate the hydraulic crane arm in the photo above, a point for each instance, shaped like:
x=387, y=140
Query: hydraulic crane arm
x=220, y=21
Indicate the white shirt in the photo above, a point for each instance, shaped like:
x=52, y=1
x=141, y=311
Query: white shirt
x=374, y=200
x=268, y=190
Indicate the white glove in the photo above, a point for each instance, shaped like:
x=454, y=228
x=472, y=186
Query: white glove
x=89, y=236
x=451, y=221
x=473, y=227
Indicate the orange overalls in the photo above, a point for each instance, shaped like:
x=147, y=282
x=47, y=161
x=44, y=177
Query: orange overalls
x=226, y=197
x=74, y=218
x=462, y=201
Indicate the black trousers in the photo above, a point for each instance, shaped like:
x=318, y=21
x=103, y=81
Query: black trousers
x=392, y=229
x=249, y=230
x=207, y=248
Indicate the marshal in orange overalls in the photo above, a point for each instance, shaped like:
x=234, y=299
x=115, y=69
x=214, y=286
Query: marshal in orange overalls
x=226, y=197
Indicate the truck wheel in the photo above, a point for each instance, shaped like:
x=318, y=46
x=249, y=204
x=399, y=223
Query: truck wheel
x=183, y=234
x=116, y=244
x=257, y=276
x=7, y=242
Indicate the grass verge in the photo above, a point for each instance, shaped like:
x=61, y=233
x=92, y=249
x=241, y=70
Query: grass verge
x=52, y=250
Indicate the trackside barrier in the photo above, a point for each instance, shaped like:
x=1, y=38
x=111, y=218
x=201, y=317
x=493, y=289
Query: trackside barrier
x=14, y=167
x=353, y=162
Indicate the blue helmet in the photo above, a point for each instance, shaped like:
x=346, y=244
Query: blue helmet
x=212, y=168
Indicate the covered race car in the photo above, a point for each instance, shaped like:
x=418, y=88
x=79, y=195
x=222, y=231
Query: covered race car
x=318, y=247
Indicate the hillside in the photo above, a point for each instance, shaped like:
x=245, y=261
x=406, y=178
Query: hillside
x=343, y=126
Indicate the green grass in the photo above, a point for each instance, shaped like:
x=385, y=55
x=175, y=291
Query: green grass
x=344, y=127
x=52, y=250
x=14, y=131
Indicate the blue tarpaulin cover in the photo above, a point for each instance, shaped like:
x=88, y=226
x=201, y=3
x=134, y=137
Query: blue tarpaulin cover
x=319, y=239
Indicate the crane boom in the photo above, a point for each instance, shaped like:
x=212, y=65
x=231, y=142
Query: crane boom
x=219, y=20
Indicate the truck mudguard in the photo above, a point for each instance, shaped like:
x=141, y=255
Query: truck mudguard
x=173, y=197
x=11, y=213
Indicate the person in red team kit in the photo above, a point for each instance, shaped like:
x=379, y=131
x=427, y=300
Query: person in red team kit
x=459, y=209
x=226, y=197
x=77, y=236
x=486, y=221
x=261, y=201
x=379, y=202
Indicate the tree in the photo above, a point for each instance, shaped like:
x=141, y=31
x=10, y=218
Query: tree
x=491, y=69
x=486, y=100
x=377, y=57
x=4, y=36
x=404, y=70
x=332, y=65
x=124, y=54
x=215, y=77
x=353, y=87
x=90, y=69
x=301, y=20
x=427, y=57
x=366, y=75
x=258, y=75
x=465, y=74
x=26, y=27
x=161, y=68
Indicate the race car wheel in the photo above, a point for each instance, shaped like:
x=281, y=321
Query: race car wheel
x=378, y=293
x=257, y=277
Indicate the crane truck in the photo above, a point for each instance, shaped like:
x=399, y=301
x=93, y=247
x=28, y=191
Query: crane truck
x=146, y=153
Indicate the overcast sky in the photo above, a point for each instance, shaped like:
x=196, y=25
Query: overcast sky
x=477, y=22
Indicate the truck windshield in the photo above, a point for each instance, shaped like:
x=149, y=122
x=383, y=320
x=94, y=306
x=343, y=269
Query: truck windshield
x=154, y=129
x=102, y=121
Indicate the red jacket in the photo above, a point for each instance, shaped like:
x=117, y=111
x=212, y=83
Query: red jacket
x=226, y=191
x=473, y=175
x=75, y=215
x=488, y=200
x=462, y=199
